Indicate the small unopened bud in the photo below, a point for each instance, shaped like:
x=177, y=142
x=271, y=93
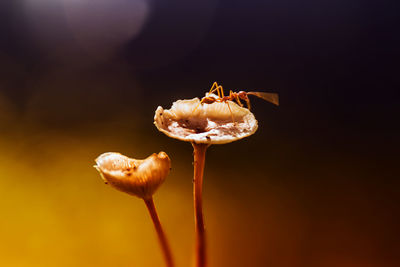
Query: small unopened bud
x=140, y=178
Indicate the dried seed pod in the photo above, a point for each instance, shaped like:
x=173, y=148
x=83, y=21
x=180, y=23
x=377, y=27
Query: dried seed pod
x=140, y=178
x=215, y=123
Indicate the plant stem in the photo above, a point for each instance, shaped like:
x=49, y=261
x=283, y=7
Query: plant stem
x=199, y=160
x=160, y=232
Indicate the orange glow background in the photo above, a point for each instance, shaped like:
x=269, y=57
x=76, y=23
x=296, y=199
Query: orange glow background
x=317, y=185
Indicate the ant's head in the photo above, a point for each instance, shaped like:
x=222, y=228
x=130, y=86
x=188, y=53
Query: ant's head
x=208, y=100
x=242, y=95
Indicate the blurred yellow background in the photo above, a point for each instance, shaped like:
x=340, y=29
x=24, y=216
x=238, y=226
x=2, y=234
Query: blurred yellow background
x=260, y=209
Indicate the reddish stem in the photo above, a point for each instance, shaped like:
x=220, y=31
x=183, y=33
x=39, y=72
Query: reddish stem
x=160, y=232
x=199, y=160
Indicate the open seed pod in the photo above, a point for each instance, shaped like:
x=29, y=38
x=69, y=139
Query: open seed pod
x=216, y=123
x=140, y=178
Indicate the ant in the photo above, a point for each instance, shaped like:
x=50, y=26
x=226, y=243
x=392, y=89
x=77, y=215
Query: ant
x=233, y=96
x=241, y=95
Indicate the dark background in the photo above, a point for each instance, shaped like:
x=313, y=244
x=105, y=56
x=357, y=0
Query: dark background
x=328, y=155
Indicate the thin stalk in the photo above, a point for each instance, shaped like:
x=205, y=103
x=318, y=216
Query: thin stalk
x=160, y=232
x=199, y=160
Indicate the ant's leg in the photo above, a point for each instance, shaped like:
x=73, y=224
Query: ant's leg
x=248, y=103
x=216, y=88
x=201, y=102
x=230, y=111
x=196, y=107
x=222, y=90
x=219, y=91
x=238, y=100
x=215, y=85
x=236, y=97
